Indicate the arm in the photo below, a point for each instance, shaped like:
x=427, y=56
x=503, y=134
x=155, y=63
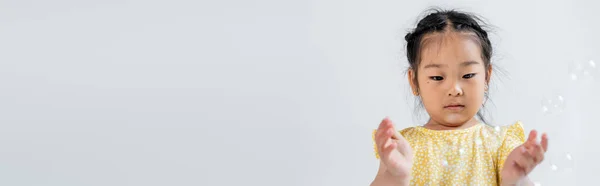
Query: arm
x=384, y=178
x=525, y=182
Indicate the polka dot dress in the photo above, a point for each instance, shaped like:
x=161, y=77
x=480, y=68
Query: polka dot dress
x=471, y=156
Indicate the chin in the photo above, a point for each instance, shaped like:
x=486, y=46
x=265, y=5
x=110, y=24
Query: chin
x=455, y=119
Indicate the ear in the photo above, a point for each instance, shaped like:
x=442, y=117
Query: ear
x=489, y=75
x=412, y=82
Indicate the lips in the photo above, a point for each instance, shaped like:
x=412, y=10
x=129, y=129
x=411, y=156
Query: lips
x=454, y=107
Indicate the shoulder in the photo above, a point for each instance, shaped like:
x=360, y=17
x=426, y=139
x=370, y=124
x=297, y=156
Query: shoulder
x=407, y=131
x=507, y=136
x=510, y=136
x=515, y=131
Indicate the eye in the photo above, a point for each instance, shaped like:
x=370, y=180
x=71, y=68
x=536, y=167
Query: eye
x=436, y=78
x=468, y=76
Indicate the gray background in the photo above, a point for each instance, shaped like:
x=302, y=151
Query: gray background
x=264, y=92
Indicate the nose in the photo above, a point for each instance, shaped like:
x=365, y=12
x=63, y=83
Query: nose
x=455, y=90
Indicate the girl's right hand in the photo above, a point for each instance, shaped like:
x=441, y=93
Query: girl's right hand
x=394, y=151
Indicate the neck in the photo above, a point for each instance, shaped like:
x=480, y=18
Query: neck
x=435, y=125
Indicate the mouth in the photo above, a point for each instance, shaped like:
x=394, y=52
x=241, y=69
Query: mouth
x=454, y=106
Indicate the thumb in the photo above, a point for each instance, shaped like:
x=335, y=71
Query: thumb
x=403, y=145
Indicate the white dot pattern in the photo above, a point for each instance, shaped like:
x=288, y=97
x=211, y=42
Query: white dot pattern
x=472, y=156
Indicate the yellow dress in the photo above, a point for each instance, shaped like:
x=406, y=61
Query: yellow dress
x=471, y=156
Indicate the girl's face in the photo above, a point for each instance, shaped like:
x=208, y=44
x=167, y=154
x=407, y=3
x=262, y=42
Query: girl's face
x=451, y=77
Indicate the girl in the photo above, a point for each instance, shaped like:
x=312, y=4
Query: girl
x=450, y=69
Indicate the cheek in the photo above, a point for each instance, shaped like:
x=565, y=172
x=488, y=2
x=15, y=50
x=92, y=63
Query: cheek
x=475, y=84
x=427, y=84
x=475, y=91
x=431, y=97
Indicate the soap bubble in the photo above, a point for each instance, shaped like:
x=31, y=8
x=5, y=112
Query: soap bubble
x=568, y=162
x=553, y=104
x=564, y=163
x=582, y=69
x=545, y=109
x=553, y=167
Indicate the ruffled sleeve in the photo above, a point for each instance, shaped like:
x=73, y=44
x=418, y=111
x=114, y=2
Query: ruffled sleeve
x=374, y=144
x=514, y=136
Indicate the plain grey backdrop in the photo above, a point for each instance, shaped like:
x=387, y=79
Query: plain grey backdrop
x=266, y=92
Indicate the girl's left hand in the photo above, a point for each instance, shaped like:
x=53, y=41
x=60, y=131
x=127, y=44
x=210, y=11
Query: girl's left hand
x=521, y=161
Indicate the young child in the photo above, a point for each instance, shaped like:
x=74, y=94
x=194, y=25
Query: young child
x=450, y=69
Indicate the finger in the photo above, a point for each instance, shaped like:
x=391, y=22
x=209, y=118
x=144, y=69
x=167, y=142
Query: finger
x=525, y=160
x=388, y=141
x=390, y=146
x=545, y=142
x=524, y=157
x=532, y=138
x=538, y=154
x=384, y=137
x=387, y=138
x=403, y=145
x=524, y=165
x=384, y=123
x=379, y=129
x=397, y=135
x=393, y=159
x=390, y=150
x=383, y=127
x=381, y=148
x=405, y=149
x=387, y=153
x=390, y=124
x=533, y=152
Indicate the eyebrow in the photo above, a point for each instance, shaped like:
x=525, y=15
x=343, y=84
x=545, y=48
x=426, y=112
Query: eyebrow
x=464, y=64
x=467, y=63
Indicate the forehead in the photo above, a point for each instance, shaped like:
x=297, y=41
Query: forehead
x=450, y=48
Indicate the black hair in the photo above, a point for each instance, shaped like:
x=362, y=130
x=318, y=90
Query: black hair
x=448, y=20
